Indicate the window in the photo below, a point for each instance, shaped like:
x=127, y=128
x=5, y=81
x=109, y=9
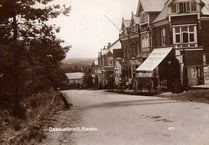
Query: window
x=146, y=40
x=184, y=7
x=177, y=35
x=193, y=6
x=185, y=34
x=163, y=37
x=174, y=8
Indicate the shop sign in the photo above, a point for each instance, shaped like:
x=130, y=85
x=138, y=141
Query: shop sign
x=192, y=76
x=206, y=75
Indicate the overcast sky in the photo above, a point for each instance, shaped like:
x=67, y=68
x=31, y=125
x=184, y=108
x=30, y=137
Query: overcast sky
x=87, y=29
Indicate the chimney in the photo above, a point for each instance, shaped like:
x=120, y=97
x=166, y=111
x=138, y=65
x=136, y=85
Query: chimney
x=108, y=45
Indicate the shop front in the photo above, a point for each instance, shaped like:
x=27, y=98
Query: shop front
x=158, y=67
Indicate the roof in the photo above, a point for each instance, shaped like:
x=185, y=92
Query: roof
x=109, y=50
x=126, y=23
x=205, y=1
x=74, y=76
x=105, y=51
x=165, y=12
x=115, y=45
x=136, y=19
x=205, y=9
x=152, y=5
x=163, y=15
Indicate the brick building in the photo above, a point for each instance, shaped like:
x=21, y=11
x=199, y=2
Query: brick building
x=130, y=43
x=170, y=36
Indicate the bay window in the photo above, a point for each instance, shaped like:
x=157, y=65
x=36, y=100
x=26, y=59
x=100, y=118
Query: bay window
x=146, y=40
x=185, y=34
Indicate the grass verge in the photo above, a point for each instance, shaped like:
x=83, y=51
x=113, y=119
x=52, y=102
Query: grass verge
x=39, y=107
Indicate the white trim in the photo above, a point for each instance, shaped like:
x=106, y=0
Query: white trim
x=184, y=14
x=195, y=34
x=160, y=23
x=174, y=35
x=143, y=23
x=195, y=49
x=163, y=36
x=183, y=25
x=204, y=18
x=144, y=32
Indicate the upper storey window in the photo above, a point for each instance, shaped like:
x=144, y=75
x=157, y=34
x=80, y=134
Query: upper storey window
x=143, y=18
x=184, y=7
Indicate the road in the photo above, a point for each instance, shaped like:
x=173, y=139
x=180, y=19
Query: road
x=138, y=120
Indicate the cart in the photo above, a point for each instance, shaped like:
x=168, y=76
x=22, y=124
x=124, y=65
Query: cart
x=144, y=83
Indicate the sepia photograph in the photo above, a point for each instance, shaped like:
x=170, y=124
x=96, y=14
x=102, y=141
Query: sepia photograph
x=96, y=72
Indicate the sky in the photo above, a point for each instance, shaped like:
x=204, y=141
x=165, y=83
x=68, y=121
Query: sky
x=87, y=29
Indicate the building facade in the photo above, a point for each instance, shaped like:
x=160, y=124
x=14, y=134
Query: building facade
x=130, y=43
x=177, y=28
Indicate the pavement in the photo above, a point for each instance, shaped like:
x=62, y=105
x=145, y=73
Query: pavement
x=121, y=119
x=205, y=86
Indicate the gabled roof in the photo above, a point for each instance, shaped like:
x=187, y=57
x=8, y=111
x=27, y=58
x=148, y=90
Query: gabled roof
x=205, y=9
x=105, y=51
x=205, y=1
x=136, y=19
x=150, y=5
x=125, y=23
x=74, y=76
x=162, y=16
x=165, y=12
x=115, y=45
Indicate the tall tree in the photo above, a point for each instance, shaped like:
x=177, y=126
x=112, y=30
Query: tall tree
x=23, y=27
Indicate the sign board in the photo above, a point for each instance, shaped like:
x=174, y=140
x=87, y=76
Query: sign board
x=192, y=76
x=206, y=74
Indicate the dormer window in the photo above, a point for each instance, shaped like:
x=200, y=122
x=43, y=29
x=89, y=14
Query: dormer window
x=143, y=18
x=184, y=7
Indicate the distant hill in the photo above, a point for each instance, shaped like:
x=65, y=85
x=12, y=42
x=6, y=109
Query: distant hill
x=80, y=61
x=76, y=64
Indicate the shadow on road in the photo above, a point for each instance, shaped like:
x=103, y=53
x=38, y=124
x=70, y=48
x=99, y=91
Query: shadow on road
x=132, y=103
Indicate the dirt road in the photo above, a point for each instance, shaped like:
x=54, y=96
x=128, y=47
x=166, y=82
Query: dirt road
x=119, y=119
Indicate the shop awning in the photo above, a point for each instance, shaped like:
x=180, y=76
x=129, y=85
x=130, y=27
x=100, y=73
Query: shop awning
x=154, y=59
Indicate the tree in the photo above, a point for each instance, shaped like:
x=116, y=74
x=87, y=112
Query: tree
x=88, y=80
x=33, y=42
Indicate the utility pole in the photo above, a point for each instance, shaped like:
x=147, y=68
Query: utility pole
x=112, y=22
